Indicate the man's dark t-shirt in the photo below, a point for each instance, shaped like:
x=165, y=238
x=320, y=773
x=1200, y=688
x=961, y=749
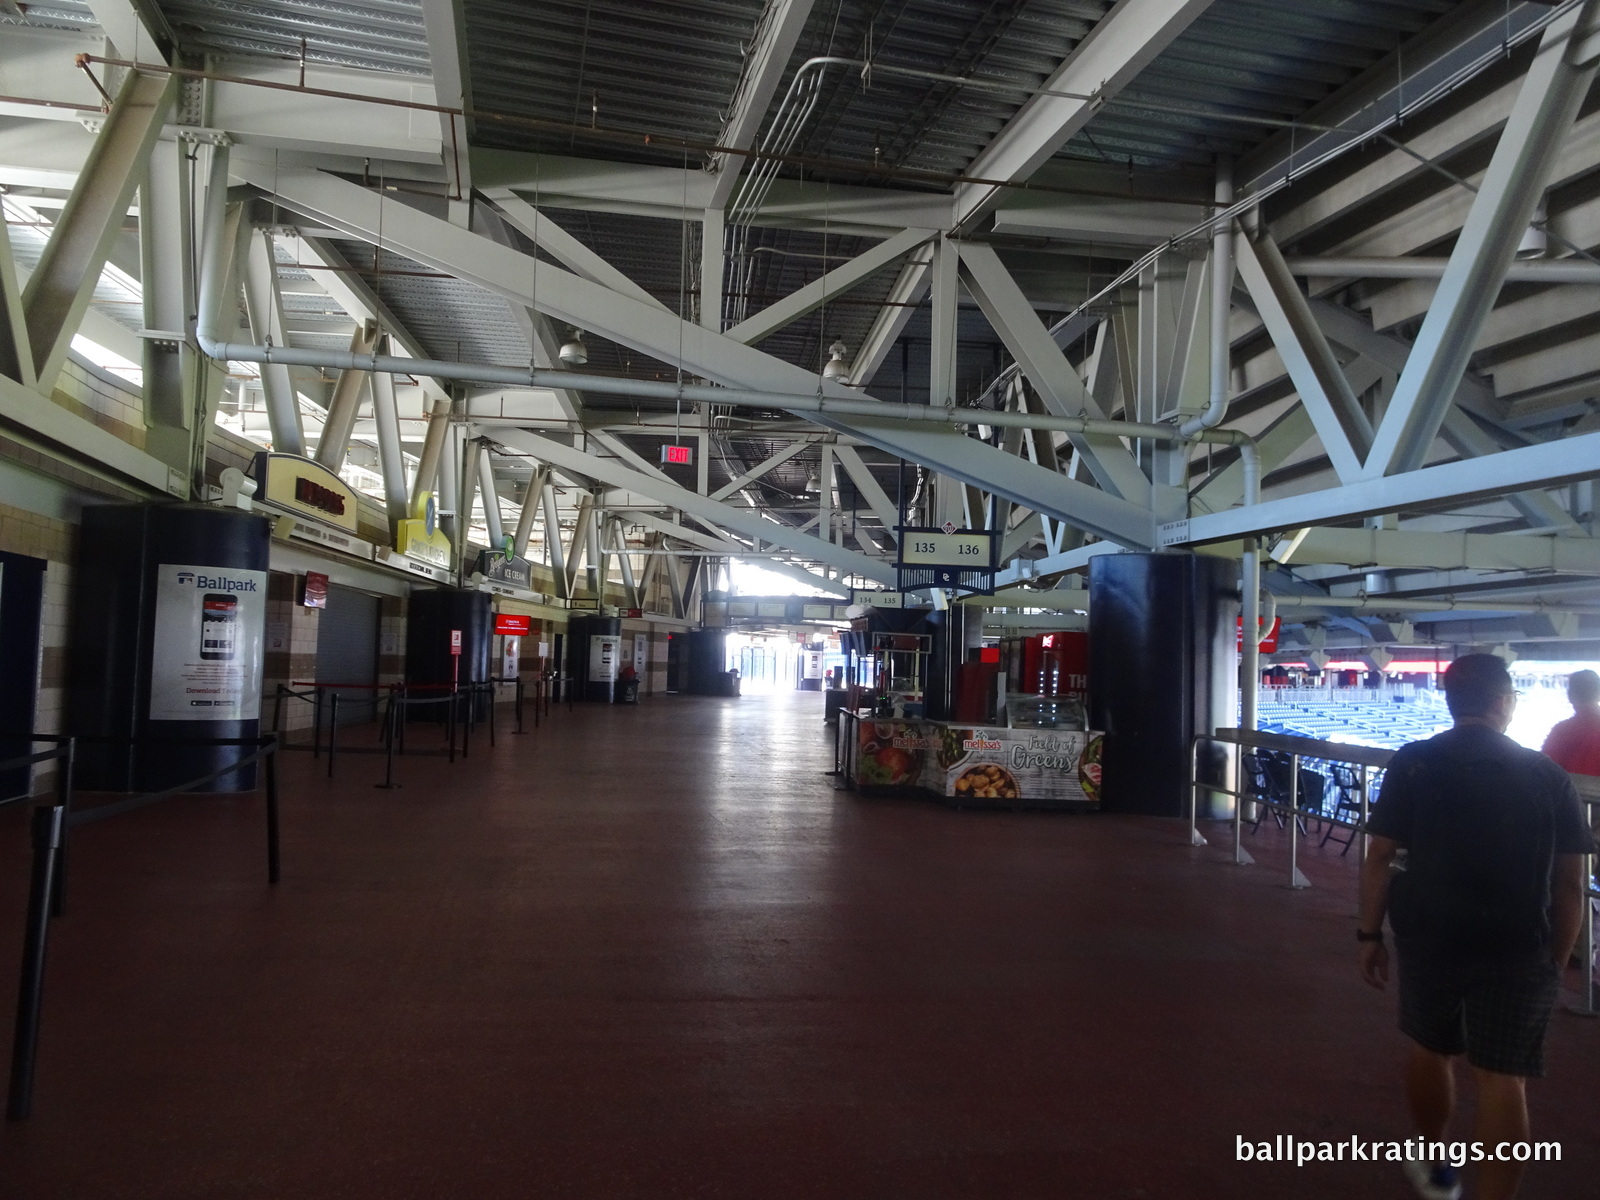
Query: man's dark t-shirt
x=1481, y=819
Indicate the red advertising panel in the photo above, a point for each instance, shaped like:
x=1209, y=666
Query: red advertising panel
x=512, y=624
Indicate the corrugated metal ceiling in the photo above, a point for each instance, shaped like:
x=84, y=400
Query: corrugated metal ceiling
x=374, y=35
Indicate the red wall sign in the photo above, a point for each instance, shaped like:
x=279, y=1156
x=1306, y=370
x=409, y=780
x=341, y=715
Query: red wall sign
x=1269, y=640
x=455, y=641
x=510, y=623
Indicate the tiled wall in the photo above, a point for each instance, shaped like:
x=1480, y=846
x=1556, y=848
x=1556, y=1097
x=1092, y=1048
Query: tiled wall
x=115, y=409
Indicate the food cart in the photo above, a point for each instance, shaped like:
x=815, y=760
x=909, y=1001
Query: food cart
x=975, y=766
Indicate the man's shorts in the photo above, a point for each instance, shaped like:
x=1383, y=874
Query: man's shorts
x=1495, y=1012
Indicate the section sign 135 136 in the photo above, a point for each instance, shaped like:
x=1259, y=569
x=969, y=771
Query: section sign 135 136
x=945, y=549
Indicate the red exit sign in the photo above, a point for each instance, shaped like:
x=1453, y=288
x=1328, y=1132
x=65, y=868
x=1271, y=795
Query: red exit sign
x=681, y=455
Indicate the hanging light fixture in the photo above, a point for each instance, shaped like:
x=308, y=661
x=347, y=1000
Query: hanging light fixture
x=1535, y=242
x=836, y=368
x=573, y=352
x=814, y=482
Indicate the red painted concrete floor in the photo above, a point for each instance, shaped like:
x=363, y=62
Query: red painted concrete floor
x=651, y=953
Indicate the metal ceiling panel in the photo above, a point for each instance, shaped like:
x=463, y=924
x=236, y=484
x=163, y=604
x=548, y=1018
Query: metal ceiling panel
x=372, y=35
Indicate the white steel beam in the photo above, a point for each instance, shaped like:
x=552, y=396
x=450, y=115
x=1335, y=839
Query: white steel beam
x=61, y=286
x=345, y=404
x=834, y=283
x=946, y=284
x=552, y=541
x=1121, y=45
x=874, y=495
x=1493, y=475
x=263, y=305
x=1342, y=426
x=1551, y=92
x=569, y=251
x=910, y=286
x=1440, y=551
x=760, y=469
x=779, y=29
x=615, y=474
x=1041, y=360
x=16, y=355
x=586, y=305
x=447, y=36
x=391, y=458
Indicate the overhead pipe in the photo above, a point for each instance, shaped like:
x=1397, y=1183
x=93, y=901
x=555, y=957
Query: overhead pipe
x=1537, y=270
x=1221, y=306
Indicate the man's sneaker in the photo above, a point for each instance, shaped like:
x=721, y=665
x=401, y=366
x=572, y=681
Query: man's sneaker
x=1434, y=1181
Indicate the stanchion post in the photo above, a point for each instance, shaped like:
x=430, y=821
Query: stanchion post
x=1296, y=878
x=388, y=758
x=64, y=781
x=1194, y=794
x=269, y=768
x=519, y=703
x=1365, y=794
x=333, y=731
x=277, y=709
x=450, y=721
x=316, y=721
x=492, y=707
x=48, y=823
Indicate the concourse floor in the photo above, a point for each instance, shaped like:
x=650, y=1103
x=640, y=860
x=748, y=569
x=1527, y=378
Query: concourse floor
x=651, y=953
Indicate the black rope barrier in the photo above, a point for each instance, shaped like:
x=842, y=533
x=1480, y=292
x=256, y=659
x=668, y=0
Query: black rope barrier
x=50, y=826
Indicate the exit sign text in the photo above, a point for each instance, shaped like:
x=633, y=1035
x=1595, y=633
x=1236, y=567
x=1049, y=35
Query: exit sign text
x=683, y=455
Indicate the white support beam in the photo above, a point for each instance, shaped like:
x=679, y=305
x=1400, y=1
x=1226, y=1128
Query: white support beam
x=910, y=286
x=615, y=474
x=779, y=29
x=391, y=458
x=734, y=550
x=529, y=512
x=1121, y=45
x=263, y=303
x=1440, y=551
x=16, y=355
x=345, y=403
x=489, y=492
x=1551, y=93
x=946, y=284
x=353, y=294
x=569, y=251
x=61, y=286
x=584, y=304
x=760, y=469
x=1343, y=427
x=1057, y=383
x=874, y=495
x=447, y=36
x=552, y=541
x=834, y=283
x=1493, y=475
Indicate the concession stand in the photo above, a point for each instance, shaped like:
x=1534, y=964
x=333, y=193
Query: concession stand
x=979, y=727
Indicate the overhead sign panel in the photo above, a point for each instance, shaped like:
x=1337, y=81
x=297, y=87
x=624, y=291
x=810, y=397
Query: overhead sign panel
x=963, y=559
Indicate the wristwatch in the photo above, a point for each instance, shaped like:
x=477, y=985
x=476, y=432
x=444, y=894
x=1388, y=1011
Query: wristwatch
x=1363, y=936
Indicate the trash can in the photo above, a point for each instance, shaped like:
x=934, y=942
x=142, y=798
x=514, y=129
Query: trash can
x=627, y=691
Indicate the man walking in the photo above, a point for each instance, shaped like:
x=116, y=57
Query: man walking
x=1575, y=742
x=1485, y=911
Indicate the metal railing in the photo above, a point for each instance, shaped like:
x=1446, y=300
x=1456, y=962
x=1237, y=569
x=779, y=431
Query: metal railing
x=1369, y=760
x=51, y=826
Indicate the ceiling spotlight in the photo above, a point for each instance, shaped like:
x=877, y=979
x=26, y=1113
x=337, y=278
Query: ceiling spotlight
x=573, y=352
x=836, y=367
x=814, y=482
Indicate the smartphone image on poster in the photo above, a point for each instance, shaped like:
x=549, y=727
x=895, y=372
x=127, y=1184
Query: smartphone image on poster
x=219, y=624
